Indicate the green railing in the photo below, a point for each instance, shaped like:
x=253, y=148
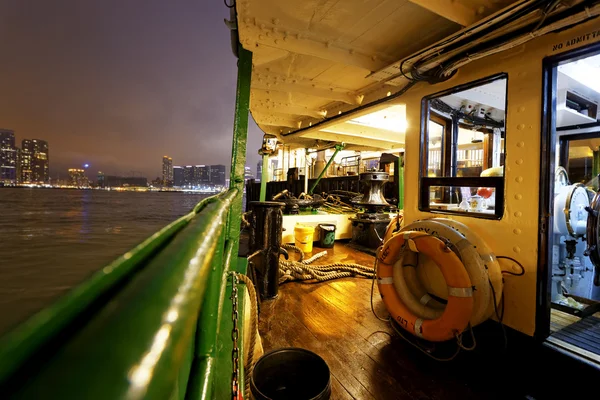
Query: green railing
x=145, y=326
x=154, y=324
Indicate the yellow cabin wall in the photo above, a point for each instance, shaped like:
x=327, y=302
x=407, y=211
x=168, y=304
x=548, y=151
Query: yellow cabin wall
x=516, y=234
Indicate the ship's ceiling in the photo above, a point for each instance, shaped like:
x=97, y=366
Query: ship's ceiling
x=314, y=57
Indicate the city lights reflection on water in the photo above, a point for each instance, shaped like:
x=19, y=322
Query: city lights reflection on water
x=51, y=240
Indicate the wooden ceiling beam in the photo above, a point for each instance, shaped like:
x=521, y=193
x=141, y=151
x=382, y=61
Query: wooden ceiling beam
x=276, y=35
x=303, y=88
x=357, y=130
x=451, y=10
x=355, y=140
x=275, y=120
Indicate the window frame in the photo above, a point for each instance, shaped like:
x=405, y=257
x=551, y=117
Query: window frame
x=450, y=150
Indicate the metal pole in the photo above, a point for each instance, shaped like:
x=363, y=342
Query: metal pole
x=238, y=156
x=400, y=186
x=306, y=171
x=595, y=167
x=264, y=176
x=338, y=147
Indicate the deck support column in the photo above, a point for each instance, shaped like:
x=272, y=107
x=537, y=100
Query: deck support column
x=596, y=167
x=264, y=176
x=238, y=156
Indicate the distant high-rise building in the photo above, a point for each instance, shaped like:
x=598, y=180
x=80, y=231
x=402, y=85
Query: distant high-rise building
x=8, y=157
x=35, y=161
x=248, y=174
x=178, y=176
x=167, y=171
x=202, y=174
x=77, y=178
x=217, y=175
x=259, y=170
x=100, y=178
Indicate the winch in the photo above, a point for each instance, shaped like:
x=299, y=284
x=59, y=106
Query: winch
x=368, y=227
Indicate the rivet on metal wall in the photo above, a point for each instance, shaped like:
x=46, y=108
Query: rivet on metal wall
x=519, y=179
x=520, y=126
x=521, y=109
x=521, y=144
x=518, y=214
x=518, y=196
x=517, y=231
x=519, y=161
x=517, y=249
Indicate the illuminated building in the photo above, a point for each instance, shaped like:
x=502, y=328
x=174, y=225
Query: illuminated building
x=248, y=174
x=8, y=157
x=100, y=179
x=217, y=175
x=35, y=161
x=178, y=176
x=167, y=171
x=77, y=178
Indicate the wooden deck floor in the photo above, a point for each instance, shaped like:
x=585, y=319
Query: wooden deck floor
x=366, y=358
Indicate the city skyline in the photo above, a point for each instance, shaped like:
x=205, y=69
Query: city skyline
x=117, y=84
x=29, y=163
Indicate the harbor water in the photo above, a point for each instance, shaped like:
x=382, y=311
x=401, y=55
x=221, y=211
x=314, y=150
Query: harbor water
x=51, y=240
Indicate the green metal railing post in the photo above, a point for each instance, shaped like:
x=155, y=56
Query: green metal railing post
x=596, y=167
x=400, y=187
x=264, y=177
x=338, y=148
x=240, y=135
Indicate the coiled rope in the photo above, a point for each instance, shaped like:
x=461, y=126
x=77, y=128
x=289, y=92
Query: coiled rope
x=302, y=270
x=249, y=364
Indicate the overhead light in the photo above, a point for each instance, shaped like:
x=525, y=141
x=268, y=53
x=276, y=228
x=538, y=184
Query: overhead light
x=392, y=118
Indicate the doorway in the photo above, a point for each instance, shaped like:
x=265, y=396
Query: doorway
x=569, y=261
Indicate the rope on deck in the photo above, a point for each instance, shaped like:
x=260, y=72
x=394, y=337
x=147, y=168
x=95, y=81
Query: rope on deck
x=249, y=365
x=302, y=270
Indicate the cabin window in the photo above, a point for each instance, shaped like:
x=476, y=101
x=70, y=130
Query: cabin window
x=462, y=152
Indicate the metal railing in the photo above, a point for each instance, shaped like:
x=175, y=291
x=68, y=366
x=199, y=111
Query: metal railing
x=145, y=326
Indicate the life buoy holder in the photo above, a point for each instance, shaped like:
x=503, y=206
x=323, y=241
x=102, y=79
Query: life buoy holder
x=457, y=314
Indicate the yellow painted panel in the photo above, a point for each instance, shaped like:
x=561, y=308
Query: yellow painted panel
x=516, y=234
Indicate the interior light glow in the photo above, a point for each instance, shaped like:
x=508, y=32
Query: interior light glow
x=392, y=118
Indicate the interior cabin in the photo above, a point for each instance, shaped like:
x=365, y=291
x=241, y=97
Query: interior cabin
x=499, y=134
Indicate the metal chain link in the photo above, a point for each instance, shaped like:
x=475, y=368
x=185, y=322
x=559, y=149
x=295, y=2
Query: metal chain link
x=235, y=351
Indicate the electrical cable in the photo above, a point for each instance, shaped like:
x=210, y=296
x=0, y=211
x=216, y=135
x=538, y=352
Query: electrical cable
x=514, y=12
x=452, y=357
x=549, y=8
x=498, y=315
x=520, y=273
x=372, y=292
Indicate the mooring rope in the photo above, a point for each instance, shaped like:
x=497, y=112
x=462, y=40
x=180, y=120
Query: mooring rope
x=249, y=364
x=302, y=270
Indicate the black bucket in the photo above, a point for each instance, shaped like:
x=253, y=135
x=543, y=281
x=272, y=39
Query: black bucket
x=291, y=373
x=326, y=235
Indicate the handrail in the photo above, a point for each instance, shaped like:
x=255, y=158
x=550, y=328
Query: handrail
x=135, y=343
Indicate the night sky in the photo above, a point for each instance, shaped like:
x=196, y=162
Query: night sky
x=120, y=83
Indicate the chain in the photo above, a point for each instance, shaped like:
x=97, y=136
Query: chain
x=235, y=351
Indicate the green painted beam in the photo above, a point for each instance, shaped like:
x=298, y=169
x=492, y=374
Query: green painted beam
x=135, y=344
x=264, y=176
x=18, y=345
x=400, y=187
x=338, y=148
x=240, y=136
x=596, y=167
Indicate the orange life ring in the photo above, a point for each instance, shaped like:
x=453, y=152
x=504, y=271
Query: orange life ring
x=457, y=313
